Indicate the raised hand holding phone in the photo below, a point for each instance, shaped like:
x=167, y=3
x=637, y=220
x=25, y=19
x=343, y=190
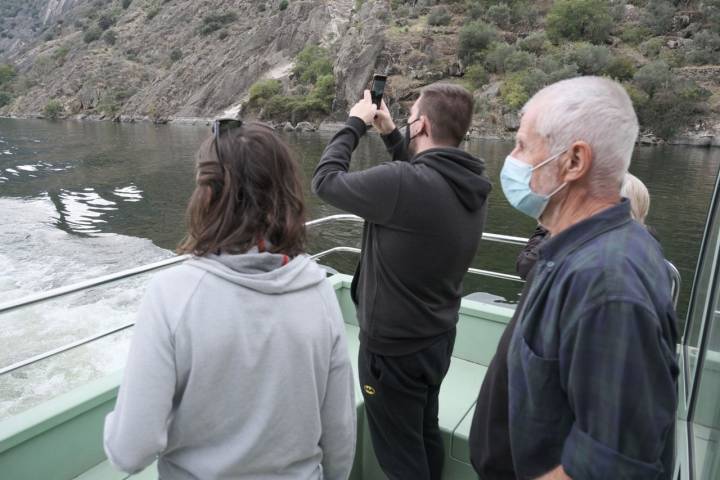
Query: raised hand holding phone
x=365, y=109
x=383, y=122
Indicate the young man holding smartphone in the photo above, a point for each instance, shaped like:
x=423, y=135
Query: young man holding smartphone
x=424, y=215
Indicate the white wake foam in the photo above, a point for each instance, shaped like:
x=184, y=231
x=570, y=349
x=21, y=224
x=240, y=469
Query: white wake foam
x=36, y=256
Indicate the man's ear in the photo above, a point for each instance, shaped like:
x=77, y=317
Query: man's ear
x=578, y=161
x=426, y=128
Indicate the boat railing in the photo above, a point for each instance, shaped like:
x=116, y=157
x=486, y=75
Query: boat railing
x=45, y=296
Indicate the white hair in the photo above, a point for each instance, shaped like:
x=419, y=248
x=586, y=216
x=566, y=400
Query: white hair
x=594, y=110
x=636, y=191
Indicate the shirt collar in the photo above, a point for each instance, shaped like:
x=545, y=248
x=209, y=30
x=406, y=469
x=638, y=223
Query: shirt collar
x=567, y=241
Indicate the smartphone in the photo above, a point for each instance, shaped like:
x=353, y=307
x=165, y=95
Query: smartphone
x=377, y=88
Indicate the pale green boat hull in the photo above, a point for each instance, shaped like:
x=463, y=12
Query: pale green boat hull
x=62, y=439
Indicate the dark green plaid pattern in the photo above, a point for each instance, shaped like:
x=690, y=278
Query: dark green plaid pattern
x=592, y=363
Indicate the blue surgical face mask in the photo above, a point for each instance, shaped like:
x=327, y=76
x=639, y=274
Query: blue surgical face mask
x=515, y=180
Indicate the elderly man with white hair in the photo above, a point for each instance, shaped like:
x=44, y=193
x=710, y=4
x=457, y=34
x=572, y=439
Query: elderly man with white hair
x=583, y=384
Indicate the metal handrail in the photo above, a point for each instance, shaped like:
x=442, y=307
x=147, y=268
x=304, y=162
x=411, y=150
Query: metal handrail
x=58, y=292
x=676, y=281
x=64, y=348
x=85, y=341
x=105, y=279
x=492, y=237
x=84, y=285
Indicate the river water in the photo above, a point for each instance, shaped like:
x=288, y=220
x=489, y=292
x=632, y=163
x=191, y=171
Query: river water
x=82, y=199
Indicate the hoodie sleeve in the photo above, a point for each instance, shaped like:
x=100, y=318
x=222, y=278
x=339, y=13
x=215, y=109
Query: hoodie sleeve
x=395, y=144
x=370, y=194
x=136, y=431
x=338, y=408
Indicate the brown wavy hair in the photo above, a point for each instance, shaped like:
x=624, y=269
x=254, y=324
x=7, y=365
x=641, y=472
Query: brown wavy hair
x=250, y=195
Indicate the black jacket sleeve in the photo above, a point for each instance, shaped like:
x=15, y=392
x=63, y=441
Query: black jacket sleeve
x=370, y=194
x=529, y=255
x=395, y=144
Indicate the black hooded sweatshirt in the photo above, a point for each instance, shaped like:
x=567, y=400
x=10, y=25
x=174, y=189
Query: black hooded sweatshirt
x=423, y=223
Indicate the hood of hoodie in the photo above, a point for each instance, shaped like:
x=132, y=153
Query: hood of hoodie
x=262, y=272
x=464, y=172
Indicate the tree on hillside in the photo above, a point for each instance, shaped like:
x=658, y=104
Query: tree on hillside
x=579, y=20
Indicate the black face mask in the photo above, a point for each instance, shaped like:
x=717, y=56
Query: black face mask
x=408, y=138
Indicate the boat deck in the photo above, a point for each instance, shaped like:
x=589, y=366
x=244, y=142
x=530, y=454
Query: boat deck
x=77, y=416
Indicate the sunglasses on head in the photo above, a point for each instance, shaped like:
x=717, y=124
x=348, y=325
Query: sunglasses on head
x=223, y=125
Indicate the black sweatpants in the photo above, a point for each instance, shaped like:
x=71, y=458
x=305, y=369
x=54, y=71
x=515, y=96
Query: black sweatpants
x=401, y=406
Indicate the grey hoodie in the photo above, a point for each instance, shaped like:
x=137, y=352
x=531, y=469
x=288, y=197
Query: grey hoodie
x=238, y=369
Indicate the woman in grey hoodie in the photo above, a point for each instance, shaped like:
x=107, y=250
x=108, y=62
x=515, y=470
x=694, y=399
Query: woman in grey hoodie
x=238, y=366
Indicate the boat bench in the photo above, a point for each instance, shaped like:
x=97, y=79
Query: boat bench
x=62, y=438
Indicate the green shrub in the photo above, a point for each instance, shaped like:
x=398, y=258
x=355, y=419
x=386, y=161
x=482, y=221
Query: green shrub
x=653, y=77
x=439, y=16
x=513, y=93
x=617, y=10
x=557, y=68
x=674, y=58
x=519, y=60
x=476, y=76
x=707, y=40
x=5, y=98
x=293, y=108
x=496, y=56
x=126, y=4
x=92, y=35
x=528, y=14
x=214, y=22
x=312, y=62
x=697, y=56
x=264, y=89
x=324, y=90
x=223, y=34
x=176, y=54
x=550, y=63
x=108, y=105
x=500, y=15
x=637, y=95
x=620, y=68
x=651, y=48
x=53, y=109
x=283, y=5
x=670, y=107
x=532, y=80
x=7, y=74
x=562, y=73
x=475, y=11
x=535, y=43
x=110, y=37
x=278, y=107
x=105, y=21
x=705, y=49
x=590, y=59
x=59, y=54
x=579, y=20
x=474, y=38
x=152, y=12
x=711, y=11
x=634, y=34
x=659, y=16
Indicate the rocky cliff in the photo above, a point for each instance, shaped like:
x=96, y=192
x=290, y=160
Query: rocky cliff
x=166, y=60
x=179, y=58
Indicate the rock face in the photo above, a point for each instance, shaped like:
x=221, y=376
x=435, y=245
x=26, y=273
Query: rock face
x=161, y=65
x=357, y=56
x=191, y=60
